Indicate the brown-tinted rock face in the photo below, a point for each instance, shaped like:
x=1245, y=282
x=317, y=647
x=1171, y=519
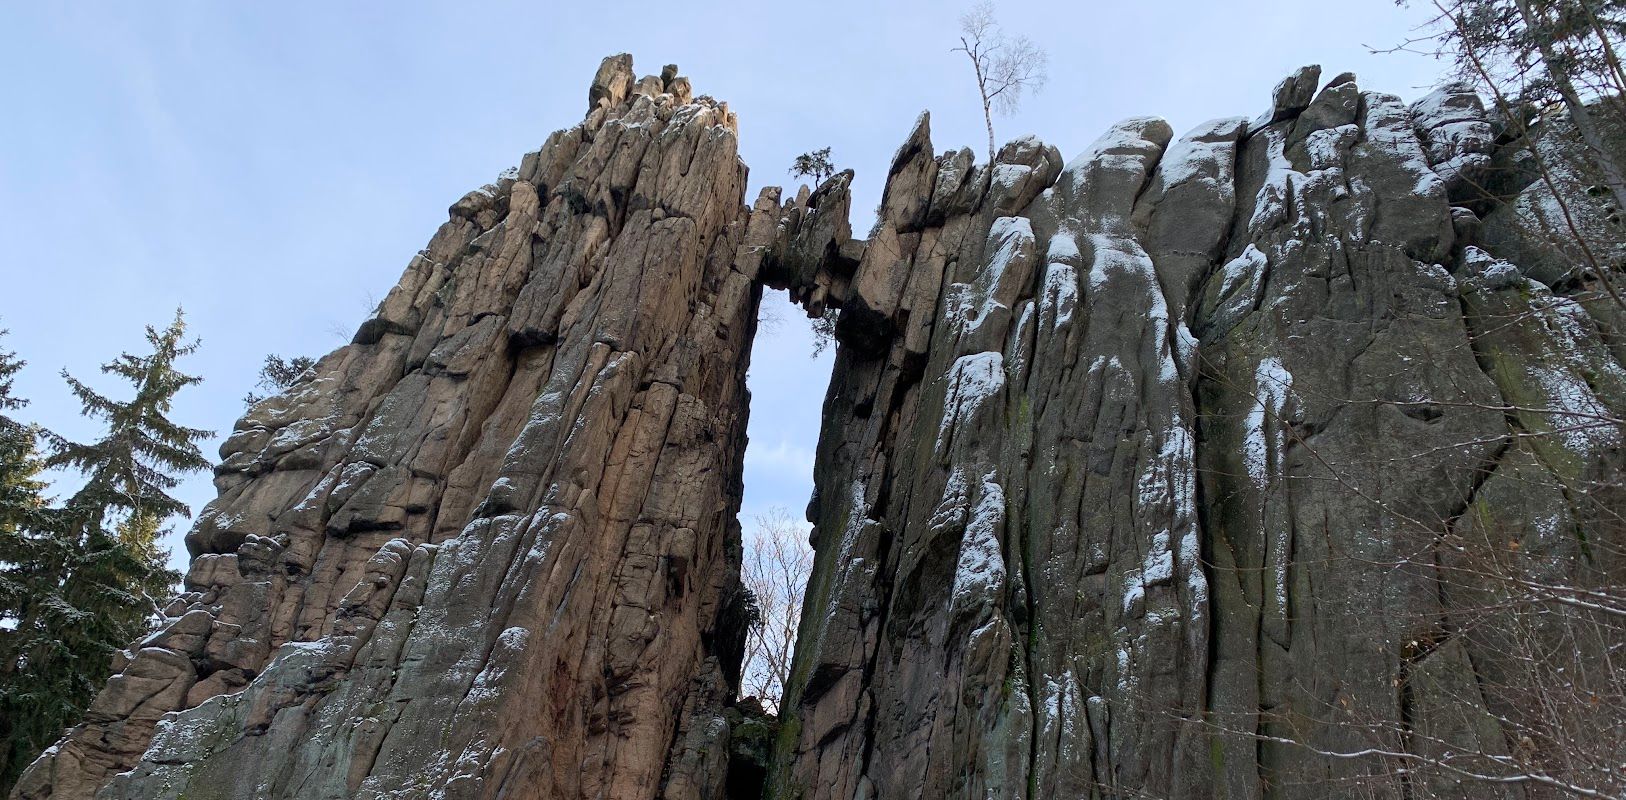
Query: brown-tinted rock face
x=1169, y=471
x=487, y=548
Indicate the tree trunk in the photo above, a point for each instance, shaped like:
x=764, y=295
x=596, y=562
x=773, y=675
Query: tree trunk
x=988, y=118
x=1591, y=136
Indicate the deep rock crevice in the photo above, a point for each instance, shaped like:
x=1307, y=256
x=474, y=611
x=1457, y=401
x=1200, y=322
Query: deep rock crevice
x=1120, y=469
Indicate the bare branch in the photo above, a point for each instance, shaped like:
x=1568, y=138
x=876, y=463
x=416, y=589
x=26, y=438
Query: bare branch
x=1005, y=68
x=777, y=563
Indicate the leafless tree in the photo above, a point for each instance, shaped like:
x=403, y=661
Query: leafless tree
x=1544, y=63
x=770, y=316
x=1559, y=32
x=1524, y=665
x=777, y=563
x=1005, y=67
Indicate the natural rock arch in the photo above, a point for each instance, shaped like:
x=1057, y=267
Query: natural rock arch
x=1118, y=461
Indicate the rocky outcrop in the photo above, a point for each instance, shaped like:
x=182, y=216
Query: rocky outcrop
x=1146, y=476
x=1155, y=472
x=489, y=548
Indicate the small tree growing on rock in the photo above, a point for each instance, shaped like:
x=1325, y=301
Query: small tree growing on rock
x=1005, y=68
x=824, y=330
x=815, y=165
x=278, y=374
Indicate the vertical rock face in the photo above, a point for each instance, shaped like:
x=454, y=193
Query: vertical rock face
x=489, y=548
x=1155, y=472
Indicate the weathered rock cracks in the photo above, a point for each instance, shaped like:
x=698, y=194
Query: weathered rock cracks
x=489, y=548
x=1124, y=470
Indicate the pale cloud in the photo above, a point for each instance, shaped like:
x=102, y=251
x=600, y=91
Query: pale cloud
x=785, y=457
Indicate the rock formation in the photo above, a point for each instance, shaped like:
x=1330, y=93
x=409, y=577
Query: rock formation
x=1126, y=468
x=489, y=546
x=1126, y=463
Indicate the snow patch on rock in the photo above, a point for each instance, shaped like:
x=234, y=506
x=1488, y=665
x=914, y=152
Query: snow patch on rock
x=972, y=381
x=979, y=574
x=1273, y=386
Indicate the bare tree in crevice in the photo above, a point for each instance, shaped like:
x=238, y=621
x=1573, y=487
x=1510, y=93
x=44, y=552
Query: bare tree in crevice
x=775, y=569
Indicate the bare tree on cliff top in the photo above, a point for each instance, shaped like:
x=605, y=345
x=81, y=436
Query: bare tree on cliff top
x=1005, y=68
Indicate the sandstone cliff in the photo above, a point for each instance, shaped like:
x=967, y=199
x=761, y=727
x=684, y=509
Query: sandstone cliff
x=492, y=542
x=1141, y=474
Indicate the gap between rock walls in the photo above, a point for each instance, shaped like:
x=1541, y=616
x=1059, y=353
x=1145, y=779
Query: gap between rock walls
x=1116, y=462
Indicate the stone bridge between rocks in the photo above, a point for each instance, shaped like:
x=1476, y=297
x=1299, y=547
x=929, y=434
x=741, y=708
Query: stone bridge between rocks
x=1123, y=469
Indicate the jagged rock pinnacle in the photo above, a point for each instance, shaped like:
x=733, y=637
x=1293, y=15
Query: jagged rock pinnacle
x=1124, y=469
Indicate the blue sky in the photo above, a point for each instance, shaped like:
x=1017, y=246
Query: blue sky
x=272, y=167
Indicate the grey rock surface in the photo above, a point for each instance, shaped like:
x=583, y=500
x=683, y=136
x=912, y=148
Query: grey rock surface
x=1151, y=483
x=1149, y=473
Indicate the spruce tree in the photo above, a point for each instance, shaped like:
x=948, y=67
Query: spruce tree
x=22, y=503
x=96, y=574
x=30, y=555
x=142, y=453
x=10, y=365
